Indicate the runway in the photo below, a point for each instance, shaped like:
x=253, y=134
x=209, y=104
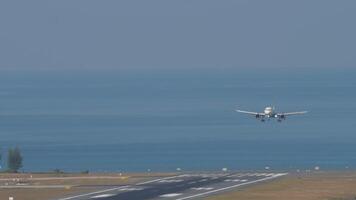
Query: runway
x=180, y=187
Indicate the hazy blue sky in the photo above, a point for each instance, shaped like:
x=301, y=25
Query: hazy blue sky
x=177, y=34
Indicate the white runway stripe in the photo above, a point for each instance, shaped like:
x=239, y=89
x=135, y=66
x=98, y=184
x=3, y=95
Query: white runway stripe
x=130, y=189
x=171, y=181
x=171, y=195
x=231, y=180
x=203, y=188
x=235, y=180
x=102, y=196
x=156, y=180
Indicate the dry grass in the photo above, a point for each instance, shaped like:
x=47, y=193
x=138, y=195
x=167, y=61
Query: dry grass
x=312, y=186
x=38, y=194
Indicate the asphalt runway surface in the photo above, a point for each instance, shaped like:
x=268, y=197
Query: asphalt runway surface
x=180, y=187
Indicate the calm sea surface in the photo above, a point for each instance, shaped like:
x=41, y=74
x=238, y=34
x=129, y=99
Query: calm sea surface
x=162, y=120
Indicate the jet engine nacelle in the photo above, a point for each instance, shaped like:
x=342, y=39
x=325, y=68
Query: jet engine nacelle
x=258, y=116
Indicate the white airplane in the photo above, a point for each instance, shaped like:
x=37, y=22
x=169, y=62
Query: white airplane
x=270, y=112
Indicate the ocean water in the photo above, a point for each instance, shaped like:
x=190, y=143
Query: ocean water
x=135, y=120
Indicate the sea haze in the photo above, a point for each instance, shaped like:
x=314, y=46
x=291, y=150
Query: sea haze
x=160, y=120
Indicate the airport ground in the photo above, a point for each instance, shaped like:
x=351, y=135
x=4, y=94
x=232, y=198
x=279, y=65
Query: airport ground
x=317, y=185
x=323, y=185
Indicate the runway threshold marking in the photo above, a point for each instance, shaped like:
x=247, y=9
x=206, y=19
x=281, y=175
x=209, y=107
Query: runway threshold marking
x=230, y=187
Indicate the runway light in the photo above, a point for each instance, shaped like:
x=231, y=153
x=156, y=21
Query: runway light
x=179, y=169
x=224, y=169
x=267, y=168
x=317, y=168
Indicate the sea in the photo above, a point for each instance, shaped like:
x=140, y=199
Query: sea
x=160, y=120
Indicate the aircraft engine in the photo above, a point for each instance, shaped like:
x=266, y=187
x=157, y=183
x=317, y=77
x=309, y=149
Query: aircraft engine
x=258, y=116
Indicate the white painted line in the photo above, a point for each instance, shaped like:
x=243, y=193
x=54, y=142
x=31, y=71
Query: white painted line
x=203, y=188
x=170, y=181
x=102, y=196
x=235, y=180
x=92, y=193
x=152, y=181
x=130, y=189
x=171, y=195
x=230, y=187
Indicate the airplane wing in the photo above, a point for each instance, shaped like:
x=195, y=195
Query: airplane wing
x=292, y=113
x=251, y=113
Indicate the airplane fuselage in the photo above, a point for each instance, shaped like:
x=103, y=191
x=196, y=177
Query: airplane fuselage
x=269, y=112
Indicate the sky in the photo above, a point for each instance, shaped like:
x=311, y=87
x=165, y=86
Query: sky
x=70, y=34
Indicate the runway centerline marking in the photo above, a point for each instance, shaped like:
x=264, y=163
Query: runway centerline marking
x=230, y=187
